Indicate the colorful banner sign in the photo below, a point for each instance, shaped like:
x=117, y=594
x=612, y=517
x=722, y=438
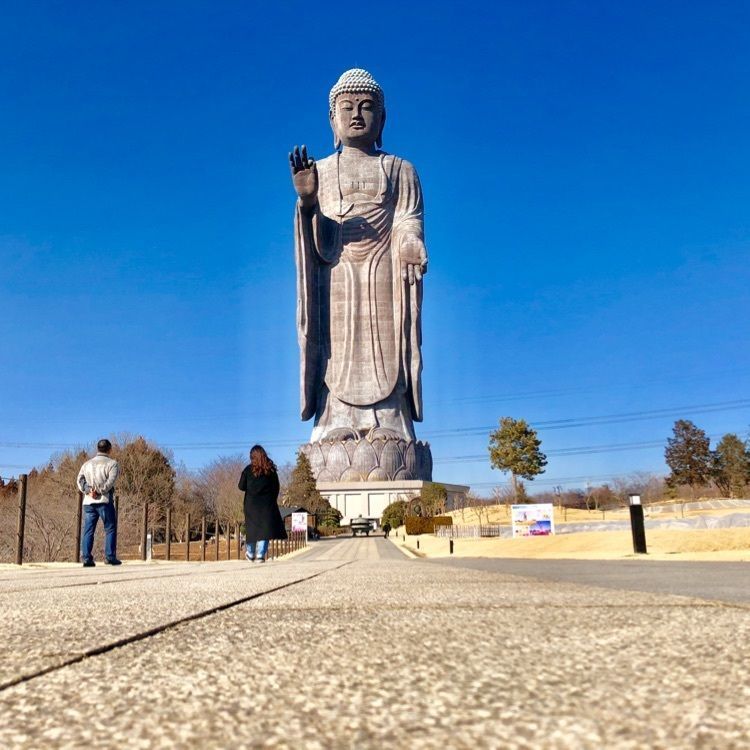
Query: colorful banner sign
x=532, y=520
x=299, y=521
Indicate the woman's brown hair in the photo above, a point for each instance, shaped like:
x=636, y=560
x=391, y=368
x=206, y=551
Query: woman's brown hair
x=260, y=463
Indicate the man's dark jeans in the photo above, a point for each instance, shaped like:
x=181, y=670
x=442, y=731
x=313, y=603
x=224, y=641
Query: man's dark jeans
x=91, y=515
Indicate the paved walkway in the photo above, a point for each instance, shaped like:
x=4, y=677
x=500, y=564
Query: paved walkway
x=355, y=548
x=349, y=646
x=727, y=582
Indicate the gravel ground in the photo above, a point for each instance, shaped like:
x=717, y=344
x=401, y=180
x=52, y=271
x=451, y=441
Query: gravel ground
x=377, y=652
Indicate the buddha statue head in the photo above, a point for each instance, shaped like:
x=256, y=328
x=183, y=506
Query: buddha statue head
x=357, y=110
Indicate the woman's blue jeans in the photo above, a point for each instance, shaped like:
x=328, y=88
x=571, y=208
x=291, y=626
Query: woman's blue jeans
x=91, y=515
x=257, y=550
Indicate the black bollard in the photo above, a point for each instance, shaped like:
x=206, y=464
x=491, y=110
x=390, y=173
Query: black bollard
x=144, y=530
x=79, y=521
x=21, y=518
x=451, y=546
x=636, y=525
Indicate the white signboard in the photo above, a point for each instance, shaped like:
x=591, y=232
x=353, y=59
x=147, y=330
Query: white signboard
x=299, y=521
x=532, y=520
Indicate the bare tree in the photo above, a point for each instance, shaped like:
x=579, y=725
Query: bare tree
x=217, y=484
x=504, y=495
x=51, y=509
x=285, y=472
x=51, y=504
x=188, y=500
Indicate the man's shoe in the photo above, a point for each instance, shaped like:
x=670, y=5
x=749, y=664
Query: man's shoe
x=115, y=561
x=89, y=564
x=260, y=559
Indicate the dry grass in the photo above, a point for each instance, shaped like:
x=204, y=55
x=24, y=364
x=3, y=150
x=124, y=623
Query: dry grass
x=666, y=544
x=500, y=514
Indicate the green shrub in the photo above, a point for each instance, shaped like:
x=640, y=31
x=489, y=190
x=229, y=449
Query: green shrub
x=333, y=530
x=329, y=517
x=394, y=514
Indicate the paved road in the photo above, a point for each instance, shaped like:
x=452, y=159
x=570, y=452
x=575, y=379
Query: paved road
x=374, y=547
x=722, y=581
x=350, y=647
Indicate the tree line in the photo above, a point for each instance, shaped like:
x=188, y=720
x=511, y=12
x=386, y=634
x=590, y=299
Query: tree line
x=150, y=475
x=515, y=448
x=694, y=464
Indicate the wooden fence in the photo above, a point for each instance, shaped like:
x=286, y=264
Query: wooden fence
x=472, y=531
x=226, y=542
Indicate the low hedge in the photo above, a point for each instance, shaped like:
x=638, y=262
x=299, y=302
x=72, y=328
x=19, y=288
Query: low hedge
x=418, y=525
x=333, y=530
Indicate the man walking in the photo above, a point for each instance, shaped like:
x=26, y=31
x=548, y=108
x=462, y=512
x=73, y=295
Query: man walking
x=96, y=480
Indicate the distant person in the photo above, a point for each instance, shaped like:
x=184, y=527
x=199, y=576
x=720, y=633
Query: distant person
x=260, y=483
x=96, y=480
x=386, y=529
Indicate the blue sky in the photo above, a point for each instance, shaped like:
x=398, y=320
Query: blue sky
x=585, y=172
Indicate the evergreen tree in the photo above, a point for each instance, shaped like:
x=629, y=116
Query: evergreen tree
x=146, y=473
x=330, y=517
x=515, y=448
x=301, y=491
x=731, y=465
x=688, y=456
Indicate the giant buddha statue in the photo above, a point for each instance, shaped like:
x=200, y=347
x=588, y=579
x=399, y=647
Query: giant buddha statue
x=361, y=258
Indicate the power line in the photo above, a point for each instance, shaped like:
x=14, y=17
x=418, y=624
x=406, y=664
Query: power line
x=561, y=424
x=605, y=387
x=555, y=424
x=577, y=451
x=501, y=397
x=559, y=480
x=581, y=450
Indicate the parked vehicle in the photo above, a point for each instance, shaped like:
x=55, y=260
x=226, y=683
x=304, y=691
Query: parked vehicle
x=361, y=525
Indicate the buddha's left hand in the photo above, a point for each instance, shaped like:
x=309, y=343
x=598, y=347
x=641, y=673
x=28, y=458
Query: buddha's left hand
x=413, y=258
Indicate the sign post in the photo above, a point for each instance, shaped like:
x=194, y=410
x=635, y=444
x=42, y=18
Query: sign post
x=299, y=523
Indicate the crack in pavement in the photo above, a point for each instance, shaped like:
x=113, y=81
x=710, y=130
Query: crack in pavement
x=143, y=635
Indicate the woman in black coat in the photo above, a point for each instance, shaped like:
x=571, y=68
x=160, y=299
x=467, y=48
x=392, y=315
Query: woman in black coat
x=260, y=483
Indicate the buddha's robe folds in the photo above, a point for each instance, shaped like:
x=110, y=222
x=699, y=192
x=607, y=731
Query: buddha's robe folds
x=358, y=321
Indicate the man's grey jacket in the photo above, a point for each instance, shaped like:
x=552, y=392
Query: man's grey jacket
x=98, y=473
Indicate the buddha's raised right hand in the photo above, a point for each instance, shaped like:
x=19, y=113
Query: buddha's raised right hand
x=304, y=176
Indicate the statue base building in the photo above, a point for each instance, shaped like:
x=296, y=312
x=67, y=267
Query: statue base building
x=370, y=499
x=369, y=459
x=361, y=476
